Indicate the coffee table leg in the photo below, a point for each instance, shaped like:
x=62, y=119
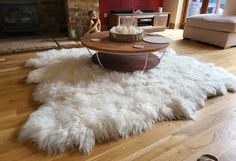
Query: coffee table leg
x=99, y=62
x=146, y=61
x=89, y=51
x=163, y=54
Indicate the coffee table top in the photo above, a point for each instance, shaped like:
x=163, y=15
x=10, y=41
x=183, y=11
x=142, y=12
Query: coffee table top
x=106, y=45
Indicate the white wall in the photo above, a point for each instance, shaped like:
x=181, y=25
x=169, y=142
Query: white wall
x=230, y=7
x=171, y=6
x=175, y=7
x=179, y=13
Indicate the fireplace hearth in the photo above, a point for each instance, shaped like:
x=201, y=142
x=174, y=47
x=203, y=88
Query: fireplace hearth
x=18, y=16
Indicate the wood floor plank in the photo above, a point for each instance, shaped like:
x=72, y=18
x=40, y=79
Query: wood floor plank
x=216, y=140
x=174, y=154
x=16, y=154
x=160, y=149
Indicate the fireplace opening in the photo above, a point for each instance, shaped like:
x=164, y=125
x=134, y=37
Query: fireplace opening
x=18, y=17
x=32, y=17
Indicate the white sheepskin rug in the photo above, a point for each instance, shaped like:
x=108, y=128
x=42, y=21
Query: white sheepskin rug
x=82, y=104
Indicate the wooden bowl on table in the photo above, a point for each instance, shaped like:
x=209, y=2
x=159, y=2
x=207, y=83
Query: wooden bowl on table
x=126, y=37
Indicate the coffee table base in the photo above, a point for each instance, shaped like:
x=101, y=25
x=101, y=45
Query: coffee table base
x=126, y=63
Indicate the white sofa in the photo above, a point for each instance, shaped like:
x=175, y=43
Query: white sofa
x=212, y=29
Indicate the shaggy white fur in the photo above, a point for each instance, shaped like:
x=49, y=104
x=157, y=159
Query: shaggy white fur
x=83, y=104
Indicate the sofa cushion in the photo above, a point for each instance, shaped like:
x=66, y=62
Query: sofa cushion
x=213, y=22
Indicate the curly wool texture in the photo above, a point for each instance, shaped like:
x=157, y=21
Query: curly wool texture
x=83, y=104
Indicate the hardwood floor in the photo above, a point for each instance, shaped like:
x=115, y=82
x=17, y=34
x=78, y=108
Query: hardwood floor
x=212, y=131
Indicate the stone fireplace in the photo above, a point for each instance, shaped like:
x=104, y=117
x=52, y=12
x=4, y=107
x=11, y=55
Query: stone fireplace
x=18, y=16
x=44, y=17
x=77, y=15
x=39, y=17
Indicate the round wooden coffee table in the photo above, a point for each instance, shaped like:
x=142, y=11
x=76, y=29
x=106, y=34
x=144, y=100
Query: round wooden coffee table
x=122, y=56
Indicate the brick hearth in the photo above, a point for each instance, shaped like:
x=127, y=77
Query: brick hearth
x=77, y=15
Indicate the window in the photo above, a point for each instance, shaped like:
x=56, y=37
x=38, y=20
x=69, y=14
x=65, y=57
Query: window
x=213, y=7
x=216, y=7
